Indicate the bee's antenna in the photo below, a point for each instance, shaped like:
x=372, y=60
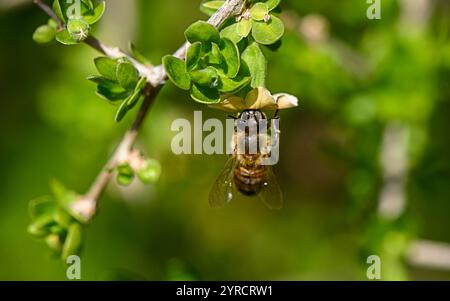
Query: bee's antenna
x=232, y=117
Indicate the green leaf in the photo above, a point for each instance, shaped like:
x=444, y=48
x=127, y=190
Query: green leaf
x=62, y=218
x=40, y=226
x=176, y=71
x=230, y=53
x=151, y=172
x=256, y=63
x=53, y=24
x=44, y=34
x=107, y=67
x=244, y=27
x=272, y=4
x=206, y=77
x=112, y=91
x=268, y=33
x=133, y=99
x=41, y=206
x=58, y=10
x=127, y=75
x=142, y=82
x=230, y=86
x=205, y=94
x=65, y=38
x=89, y=4
x=94, y=15
x=202, y=31
x=193, y=56
x=73, y=242
x=98, y=79
x=231, y=32
x=122, y=111
x=211, y=7
x=214, y=56
x=53, y=241
x=259, y=11
x=78, y=29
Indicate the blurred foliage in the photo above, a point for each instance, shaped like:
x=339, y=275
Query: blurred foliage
x=354, y=77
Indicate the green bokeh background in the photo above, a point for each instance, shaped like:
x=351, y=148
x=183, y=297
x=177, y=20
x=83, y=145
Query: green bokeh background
x=364, y=76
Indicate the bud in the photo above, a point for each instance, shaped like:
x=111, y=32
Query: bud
x=150, y=172
x=78, y=29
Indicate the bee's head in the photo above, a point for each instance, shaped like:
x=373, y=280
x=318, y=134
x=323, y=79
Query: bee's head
x=256, y=115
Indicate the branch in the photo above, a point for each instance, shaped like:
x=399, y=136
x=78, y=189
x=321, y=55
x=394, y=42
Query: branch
x=429, y=254
x=86, y=205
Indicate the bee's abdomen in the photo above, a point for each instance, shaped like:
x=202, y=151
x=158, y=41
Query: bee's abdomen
x=249, y=180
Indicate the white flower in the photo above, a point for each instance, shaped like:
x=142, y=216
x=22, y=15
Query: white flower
x=257, y=99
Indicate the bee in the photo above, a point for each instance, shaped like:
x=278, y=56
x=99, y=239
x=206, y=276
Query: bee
x=245, y=170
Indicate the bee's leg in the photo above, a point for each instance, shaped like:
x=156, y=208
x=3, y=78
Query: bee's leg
x=276, y=116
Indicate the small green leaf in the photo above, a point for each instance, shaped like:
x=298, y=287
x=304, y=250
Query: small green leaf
x=65, y=38
x=214, y=56
x=231, y=32
x=41, y=206
x=244, y=27
x=53, y=241
x=256, y=63
x=112, y=91
x=40, y=226
x=44, y=34
x=229, y=86
x=94, y=15
x=142, y=82
x=193, y=56
x=58, y=10
x=202, y=31
x=272, y=4
x=176, y=71
x=206, y=77
x=127, y=75
x=211, y=7
x=122, y=111
x=133, y=99
x=259, y=11
x=107, y=67
x=62, y=218
x=52, y=23
x=268, y=33
x=151, y=172
x=89, y=4
x=98, y=79
x=73, y=242
x=230, y=53
x=205, y=94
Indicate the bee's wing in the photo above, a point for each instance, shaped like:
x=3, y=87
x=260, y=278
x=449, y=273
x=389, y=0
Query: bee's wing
x=271, y=194
x=222, y=190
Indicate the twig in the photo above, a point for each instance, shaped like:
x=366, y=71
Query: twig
x=49, y=11
x=156, y=77
x=429, y=254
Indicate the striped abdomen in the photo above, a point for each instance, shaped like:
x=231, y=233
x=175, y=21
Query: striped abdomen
x=249, y=177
